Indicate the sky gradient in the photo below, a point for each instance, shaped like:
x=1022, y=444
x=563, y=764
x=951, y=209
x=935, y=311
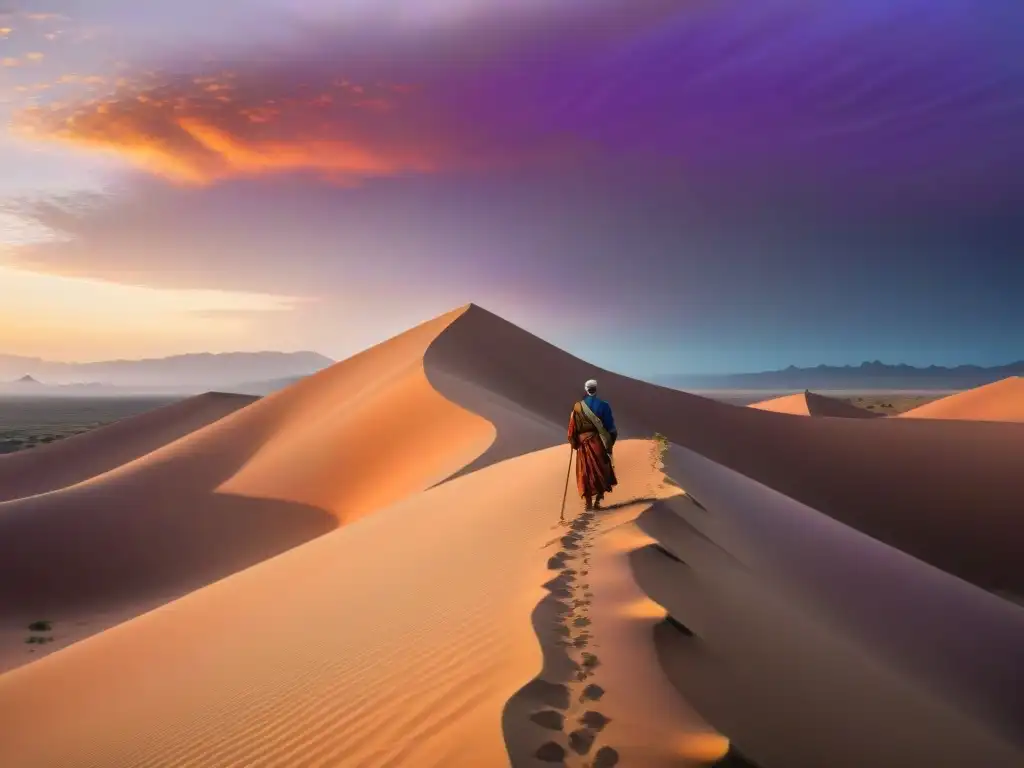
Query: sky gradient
x=658, y=186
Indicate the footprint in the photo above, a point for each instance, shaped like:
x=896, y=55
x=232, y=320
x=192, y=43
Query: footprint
x=594, y=720
x=552, y=753
x=554, y=695
x=550, y=719
x=582, y=621
x=606, y=757
x=560, y=607
x=590, y=660
x=581, y=740
x=592, y=692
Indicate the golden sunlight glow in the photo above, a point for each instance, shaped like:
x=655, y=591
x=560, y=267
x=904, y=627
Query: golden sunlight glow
x=704, y=747
x=77, y=319
x=644, y=608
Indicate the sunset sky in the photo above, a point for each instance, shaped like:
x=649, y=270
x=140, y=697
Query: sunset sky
x=659, y=186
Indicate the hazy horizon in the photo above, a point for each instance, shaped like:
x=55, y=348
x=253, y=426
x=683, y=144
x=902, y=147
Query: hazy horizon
x=665, y=373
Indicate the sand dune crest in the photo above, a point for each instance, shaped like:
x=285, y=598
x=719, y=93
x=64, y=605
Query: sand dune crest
x=72, y=460
x=1000, y=401
x=292, y=466
x=811, y=404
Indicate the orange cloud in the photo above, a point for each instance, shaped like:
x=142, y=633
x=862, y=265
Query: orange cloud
x=10, y=62
x=34, y=56
x=206, y=129
x=81, y=79
x=4, y=32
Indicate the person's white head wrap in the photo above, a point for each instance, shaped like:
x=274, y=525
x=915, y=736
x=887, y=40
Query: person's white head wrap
x=590, y=386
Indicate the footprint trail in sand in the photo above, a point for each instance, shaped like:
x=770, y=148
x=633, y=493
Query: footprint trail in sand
x=582, y=722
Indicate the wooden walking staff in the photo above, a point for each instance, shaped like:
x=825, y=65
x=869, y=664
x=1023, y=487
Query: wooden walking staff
x=568, y=472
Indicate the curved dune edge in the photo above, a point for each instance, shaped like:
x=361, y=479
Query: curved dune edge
x=756, y=609
x=1000, y=401
x=406, y=637
x=66, y=462
x=332, y=448
x=955, y=483
x=396, y=640
x=601, y=697
x=812, y=404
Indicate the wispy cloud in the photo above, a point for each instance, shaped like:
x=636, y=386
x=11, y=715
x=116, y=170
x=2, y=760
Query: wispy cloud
x=200, y=130
x=45, y=16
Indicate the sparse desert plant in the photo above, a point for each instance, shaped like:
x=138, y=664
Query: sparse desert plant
x=659, y=447
x=40, y=626
x=38, y=639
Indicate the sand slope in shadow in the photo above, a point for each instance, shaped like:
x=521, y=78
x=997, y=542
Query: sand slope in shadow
x=772, y=596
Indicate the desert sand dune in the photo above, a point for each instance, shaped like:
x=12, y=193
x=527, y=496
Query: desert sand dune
x=450, y=626
x=341, y=443
x=864, y=639
x=944, y=491
x=397, y=640
x=811, y=404
x=77, y=458
x=1000, y=401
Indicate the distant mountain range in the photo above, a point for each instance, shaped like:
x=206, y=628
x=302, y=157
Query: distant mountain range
x=177, y=374
x=866, y=376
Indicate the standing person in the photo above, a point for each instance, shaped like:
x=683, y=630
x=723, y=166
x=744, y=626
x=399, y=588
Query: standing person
x=592, y=434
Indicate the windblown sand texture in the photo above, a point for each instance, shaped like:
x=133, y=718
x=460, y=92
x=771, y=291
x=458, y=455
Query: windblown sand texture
x=369, y=568
x=1000, y=401
x=811, y=404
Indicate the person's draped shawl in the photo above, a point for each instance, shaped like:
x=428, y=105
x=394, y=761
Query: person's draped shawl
x=604, y=434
